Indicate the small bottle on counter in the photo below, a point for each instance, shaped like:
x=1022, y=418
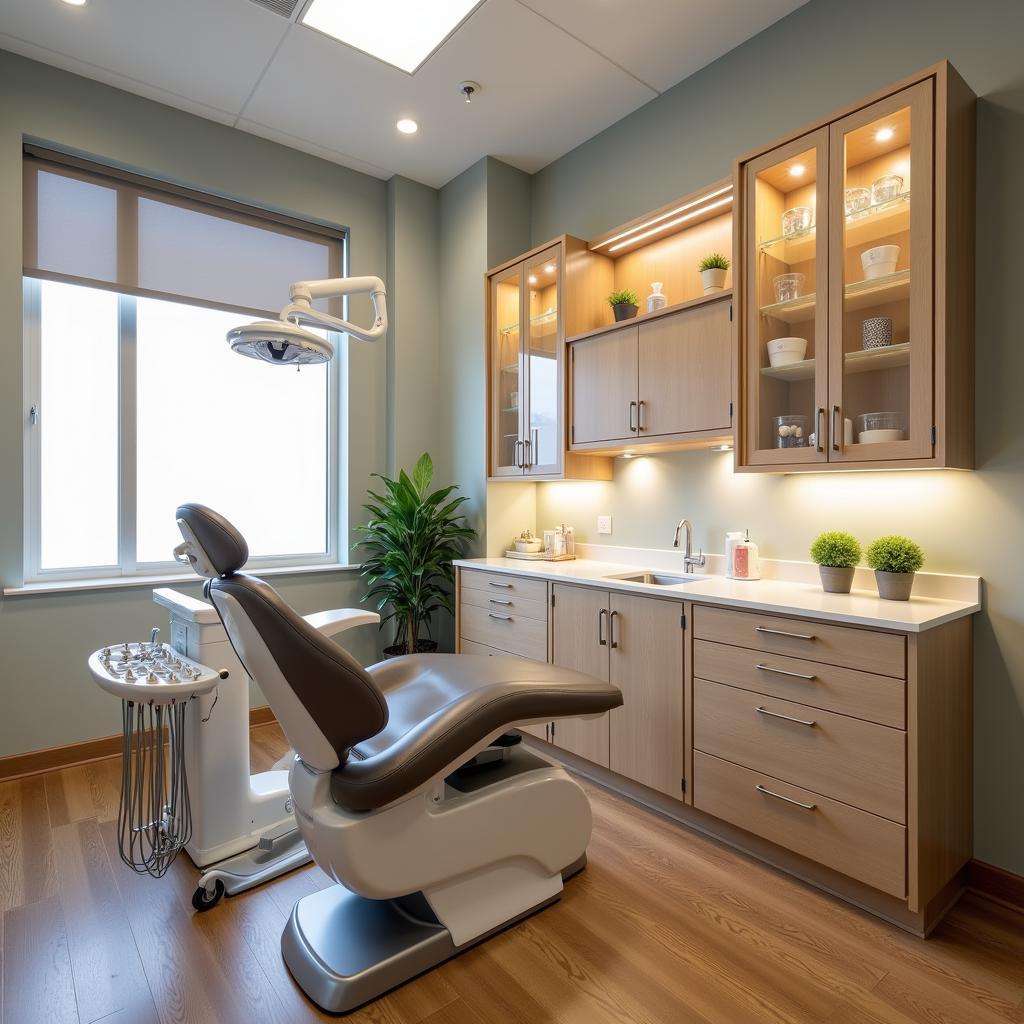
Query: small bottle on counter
x=657, y=299
x=746, y=560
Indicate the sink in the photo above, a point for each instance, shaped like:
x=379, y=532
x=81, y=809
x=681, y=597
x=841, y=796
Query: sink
x=658, y=579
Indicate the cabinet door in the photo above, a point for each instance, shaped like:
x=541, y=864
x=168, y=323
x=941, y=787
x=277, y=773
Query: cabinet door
x=784, y=231
x=881, y=280
x=604, y=387
x=580, y=642
x=646, y=645
x=542, y=341
x=505, y=360
x=685, y=371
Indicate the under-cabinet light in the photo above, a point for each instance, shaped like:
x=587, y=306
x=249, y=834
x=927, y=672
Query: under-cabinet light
x=670, y=213
x=884, y=134
x=723, y=447
x=657, y=229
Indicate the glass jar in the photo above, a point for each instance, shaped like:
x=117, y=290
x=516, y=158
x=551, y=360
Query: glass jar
x=791, y=431
x=857, y=200
x=788, y=286
x=796, y=220
x=886, y=188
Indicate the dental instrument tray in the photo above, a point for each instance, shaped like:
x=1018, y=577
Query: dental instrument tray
x=150, y=673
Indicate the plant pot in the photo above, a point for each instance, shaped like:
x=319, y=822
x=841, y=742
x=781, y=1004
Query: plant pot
x=625, y=311
x=399, y=650
x=894, y=586
x=836, y=579
x=713, y=280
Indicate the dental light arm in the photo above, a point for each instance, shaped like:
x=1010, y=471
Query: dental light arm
x=286, y=341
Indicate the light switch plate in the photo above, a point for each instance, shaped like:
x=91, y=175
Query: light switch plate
x=604, y=524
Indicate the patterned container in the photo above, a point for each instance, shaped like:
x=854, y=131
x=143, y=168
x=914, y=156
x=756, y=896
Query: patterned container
x=877, y=332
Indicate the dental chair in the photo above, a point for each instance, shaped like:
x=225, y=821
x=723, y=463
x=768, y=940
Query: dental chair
x=409, y=790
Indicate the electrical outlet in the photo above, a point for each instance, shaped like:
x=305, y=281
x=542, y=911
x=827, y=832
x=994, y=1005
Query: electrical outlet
x=604, y=524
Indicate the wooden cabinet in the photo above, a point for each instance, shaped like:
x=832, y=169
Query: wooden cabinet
x=532, y=302
x=855, y=242
x=664, y=380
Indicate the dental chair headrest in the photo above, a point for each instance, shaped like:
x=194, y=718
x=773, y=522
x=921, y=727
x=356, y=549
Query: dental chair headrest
x=212, y=545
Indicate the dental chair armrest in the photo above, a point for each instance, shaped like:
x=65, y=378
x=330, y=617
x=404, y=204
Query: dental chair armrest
x=337, y=620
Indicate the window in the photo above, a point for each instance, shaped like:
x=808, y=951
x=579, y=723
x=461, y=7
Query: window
x=136, y=401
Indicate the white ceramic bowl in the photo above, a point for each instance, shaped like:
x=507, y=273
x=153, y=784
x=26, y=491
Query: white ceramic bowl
x=879, y=261
x=783, y=351
x=880, y=436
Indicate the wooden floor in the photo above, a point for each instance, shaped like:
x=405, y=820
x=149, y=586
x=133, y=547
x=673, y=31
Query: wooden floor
x=663, y=926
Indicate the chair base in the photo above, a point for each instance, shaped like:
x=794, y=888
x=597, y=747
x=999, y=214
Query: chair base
x=345, y=950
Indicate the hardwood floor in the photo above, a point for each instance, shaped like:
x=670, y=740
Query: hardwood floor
x=663, y=926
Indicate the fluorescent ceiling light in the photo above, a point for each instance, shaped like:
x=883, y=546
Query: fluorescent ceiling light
x=403, y=33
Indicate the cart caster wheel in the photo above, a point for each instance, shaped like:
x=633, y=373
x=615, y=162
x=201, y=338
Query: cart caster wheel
x=205, y=900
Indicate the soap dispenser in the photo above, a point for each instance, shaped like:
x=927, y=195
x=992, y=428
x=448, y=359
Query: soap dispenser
x=656, y=300
x=746, y=561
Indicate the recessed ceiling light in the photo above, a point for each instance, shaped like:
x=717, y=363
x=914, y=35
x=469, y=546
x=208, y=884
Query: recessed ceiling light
x=403, y=33
x=797, y=170
x=884, y=134
x=407, y=126
x=549, y=269
x=76, y=3
x=533, y=279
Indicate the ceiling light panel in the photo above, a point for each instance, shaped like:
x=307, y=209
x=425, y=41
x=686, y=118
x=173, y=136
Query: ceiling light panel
x=403, y=33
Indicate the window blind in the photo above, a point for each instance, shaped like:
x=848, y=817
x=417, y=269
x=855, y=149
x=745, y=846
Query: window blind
x=90, y=225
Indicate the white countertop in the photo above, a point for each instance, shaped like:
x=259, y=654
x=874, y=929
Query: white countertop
x=861, y=607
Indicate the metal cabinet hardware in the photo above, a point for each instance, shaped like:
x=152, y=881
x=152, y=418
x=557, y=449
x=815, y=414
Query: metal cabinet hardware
x=782, y=632
x=516, y=457
x=600, y=627
x=784, y=672
x=503, y=618
x=820, y=438
x=788, y=799
x=640, y=424
x=632, y=417
x=504, y=586
x=498, y=600
x=787, y=718
x=527, y=454
x=835, y=431
x=534, y=445
x=611, y=630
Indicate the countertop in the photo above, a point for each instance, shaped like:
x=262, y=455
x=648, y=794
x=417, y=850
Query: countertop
x=861, y=607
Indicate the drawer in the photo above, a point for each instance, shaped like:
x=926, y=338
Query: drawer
x=863, y=649
x=860, y=763
x=505, y=602
x=510, y=634
x=472, y=647
x=503, y=583
x=845, y=691
x=852, y=842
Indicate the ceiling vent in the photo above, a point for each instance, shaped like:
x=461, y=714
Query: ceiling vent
x=286, y=8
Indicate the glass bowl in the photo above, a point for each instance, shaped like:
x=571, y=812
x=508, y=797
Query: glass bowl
x=857, y=200
x=796, y=220
x=788, y=286
x=790, y=431
x=881, y=427
x=886, y=188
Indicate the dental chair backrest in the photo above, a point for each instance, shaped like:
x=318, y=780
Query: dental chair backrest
x=322, y=697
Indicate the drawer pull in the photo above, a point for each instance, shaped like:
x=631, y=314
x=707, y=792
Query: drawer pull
x=789, y=718
x=498, y=600
x=600, y=627
x=504, y=618
x=782, y=632
x=785, y=672
x=504, y=586
x=788, y=799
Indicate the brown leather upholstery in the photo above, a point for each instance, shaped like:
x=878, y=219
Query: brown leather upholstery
x=441, y=705
x=220, y=540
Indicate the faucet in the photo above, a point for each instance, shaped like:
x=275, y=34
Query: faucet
x=690, y=560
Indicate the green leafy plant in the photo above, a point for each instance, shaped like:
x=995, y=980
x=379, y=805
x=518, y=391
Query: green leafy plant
x=409, y=542
x=836, y=549
x=895, y=554
x=624, y=297
x=714, y=261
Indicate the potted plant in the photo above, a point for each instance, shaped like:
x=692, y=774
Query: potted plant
x=836, y=554
x=712, y=272
x=624, y=303
x=409, y=542
x=895, y=560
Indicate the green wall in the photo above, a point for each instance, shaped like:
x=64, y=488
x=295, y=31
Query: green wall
x=821, y=57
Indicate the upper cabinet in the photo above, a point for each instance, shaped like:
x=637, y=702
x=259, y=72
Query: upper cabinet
x=855, y=290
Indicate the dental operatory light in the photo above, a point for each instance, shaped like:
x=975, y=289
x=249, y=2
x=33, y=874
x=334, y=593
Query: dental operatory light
x=407, y=126
x=285, y=341
x=402, y=33
x=884, y=134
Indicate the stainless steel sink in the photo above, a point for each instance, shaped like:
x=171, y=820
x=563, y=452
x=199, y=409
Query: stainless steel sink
x=658, y=579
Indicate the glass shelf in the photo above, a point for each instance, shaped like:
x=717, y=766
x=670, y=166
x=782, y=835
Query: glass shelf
x=865, y=361
x=792, y=310
x=859, y=295
x=541, y=318
x=793, y=248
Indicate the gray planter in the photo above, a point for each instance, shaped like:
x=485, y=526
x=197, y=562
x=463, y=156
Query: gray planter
x=836, y=579
x=624, y=311
x=894, y=586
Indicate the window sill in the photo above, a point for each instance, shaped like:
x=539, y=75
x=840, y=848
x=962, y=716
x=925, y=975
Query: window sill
x=130, y=582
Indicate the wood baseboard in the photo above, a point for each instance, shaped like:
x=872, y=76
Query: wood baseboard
x=997, y=884
x=34, y=762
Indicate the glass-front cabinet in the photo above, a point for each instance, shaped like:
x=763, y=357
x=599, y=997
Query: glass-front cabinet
x=856, y=325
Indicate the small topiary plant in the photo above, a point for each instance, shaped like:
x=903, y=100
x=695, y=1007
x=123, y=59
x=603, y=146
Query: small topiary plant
x=714, y=261
x=895, y=554
x=836, y=549
x=624, y=297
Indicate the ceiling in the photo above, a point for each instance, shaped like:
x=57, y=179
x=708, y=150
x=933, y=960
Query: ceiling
x=553, y=72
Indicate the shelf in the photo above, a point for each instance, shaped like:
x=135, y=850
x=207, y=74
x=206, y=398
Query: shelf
x=640, y=318
x=792, y=311
x=864, y=361
x=541, y=318
x=862, y=228
x=859, y=295
x=511, y=368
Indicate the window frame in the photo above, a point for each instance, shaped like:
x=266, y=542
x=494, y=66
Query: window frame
x=128, y=565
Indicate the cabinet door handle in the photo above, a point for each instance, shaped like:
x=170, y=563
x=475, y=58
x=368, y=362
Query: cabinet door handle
x=503, y=618
x=534, y=444
x=780, y=671
x=516, y=457
x=788, y=718
x=821, y=431
x=504, y=586
x=835, y=431
x=600, y=627
x=640, y=425
x=611, y=630
x=782, y=632
x=788, y=799
x=632, y=418
x=527, y=454
x=498, y=600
